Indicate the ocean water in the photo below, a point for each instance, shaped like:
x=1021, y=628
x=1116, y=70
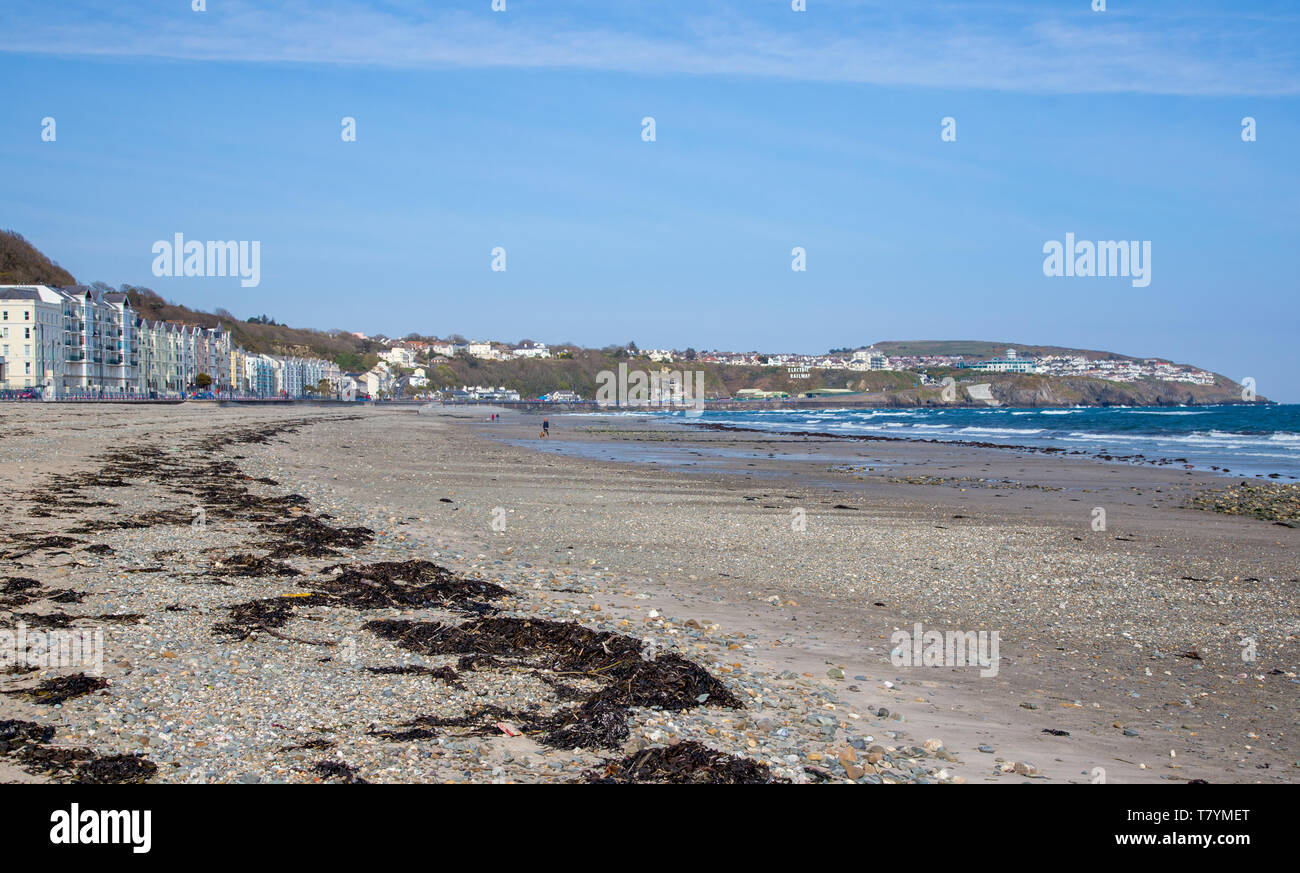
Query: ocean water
x=1239, y=440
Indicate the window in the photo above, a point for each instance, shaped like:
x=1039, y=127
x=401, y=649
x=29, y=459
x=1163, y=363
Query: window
x=27, y=315
x=27, y=333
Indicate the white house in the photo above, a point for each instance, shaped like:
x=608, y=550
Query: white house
x=399, y=357
x=531, y=350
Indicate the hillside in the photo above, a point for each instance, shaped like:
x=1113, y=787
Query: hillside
x=984, y=350
x=274, y=339
x=21, y=263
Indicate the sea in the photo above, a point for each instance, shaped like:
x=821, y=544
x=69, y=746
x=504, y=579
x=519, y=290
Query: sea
x=1232, y=440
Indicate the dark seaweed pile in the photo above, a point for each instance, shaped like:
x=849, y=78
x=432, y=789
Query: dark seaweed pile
x=668, y=682
x=28, y=743
x=687, y=763
x=61, y=688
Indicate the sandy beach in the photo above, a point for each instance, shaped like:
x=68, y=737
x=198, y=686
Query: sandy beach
x=744, y=589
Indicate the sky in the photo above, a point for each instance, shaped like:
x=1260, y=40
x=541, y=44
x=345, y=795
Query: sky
x=774, y=129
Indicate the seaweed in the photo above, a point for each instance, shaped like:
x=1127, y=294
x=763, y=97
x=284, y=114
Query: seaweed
x=686, y=763
x=446, y=674
x=251, y=565
x=268, y=614
x=116, y=770
x=668, y=682
x=339, y=771
x=407, y=584
x=308, y=535
x=15, y=734
x=61, y=688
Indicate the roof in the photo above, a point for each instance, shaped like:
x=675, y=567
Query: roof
x=43, y=293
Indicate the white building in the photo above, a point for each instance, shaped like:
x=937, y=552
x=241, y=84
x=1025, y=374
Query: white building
x=399, y=357
x=531, y=350
x=868, y=359
x=1010, y=364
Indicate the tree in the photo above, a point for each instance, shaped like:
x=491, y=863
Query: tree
x=349, y=362
x=689, y=354
x=204, y=381
x=324, y=387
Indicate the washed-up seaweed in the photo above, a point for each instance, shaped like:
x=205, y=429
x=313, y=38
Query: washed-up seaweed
x=686, y=763
x=479, y=722
x=309, y=536
x=20, y=591
x=16, y=734
x=116, y=770
x=31, y=542
x=61, y=688
x=668, y=682
x=338, y=771
x=406, y=584
x=251, y=565
x=267, y=614
x=63, y=620
x=309, y=745
x=53, y=761
x=446, y=674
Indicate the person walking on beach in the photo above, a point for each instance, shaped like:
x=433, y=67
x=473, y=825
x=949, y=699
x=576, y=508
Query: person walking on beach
x=546, y=428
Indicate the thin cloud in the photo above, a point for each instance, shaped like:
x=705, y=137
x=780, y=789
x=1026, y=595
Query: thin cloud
x=1061, y=49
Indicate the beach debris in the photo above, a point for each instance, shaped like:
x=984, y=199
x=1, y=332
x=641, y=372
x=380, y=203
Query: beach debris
x=408, y=584
x=15, y=734
x=60, y=688
x=338, y=771
x=309, y=536
x=116, y=770
x=669, y=682
x=686, y=763
x=317, y=744
x=251, y=565
x=20, y=591
x=446, y=674
x=28, y=743
x=266, y=614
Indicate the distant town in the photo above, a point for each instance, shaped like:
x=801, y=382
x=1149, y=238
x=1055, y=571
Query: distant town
x=75, y=341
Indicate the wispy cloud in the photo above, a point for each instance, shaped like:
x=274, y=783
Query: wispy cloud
x=1209, y=50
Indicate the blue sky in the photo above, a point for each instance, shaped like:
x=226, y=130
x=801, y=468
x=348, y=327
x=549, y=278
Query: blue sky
x=775, y=129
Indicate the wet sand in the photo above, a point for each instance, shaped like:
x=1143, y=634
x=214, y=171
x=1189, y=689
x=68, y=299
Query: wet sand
x=1094, y=624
